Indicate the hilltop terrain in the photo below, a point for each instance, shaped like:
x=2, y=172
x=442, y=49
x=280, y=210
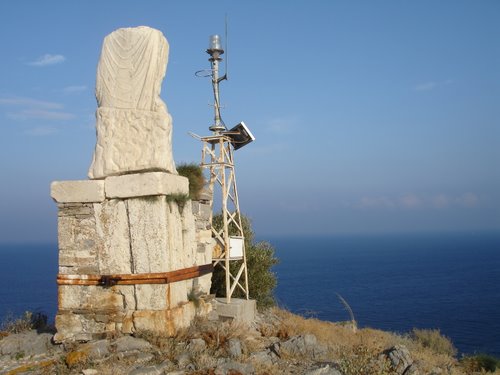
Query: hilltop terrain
x=278, y=342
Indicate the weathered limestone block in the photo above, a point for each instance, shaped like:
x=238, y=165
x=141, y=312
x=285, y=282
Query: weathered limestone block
x=130, y=140
x=149, y=249
x=148, y=234
x=178, y=290
x=168, y=321
x=128, y=293
x=77, y=327
x=112, y=229
x=152, y=296
x=134, y=128
x=77, y=238
x=90, y=297
x=77, y=191
x=188, y=235
x=205, y=242
x=145, y=184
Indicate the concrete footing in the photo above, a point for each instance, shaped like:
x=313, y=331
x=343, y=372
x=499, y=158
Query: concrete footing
x=238, y=309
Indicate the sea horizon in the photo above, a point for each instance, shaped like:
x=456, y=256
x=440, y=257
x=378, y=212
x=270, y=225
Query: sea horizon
x=394, y=282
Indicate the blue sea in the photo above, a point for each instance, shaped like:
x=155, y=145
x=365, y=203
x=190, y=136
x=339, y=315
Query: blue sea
x=449, y=282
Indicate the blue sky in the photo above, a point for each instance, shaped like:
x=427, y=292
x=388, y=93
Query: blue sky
x=370, y=116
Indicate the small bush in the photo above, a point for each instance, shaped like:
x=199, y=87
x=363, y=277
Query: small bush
x=480, y=363
x=434, y=340
x=28, y=321
x=194, y=173
x=180, y=199
x=362, y=359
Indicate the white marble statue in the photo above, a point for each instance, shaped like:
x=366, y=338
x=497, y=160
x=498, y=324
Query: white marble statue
x=134, y=128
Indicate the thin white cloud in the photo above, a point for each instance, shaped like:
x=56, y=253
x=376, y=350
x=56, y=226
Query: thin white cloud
x=23, y=108
x=405, y=201
x=375, y=202
x=40, y=131
x=48, y=59
x=74, y=89
x=281, y=125
x=431, y=85
x=409, y=200
x=441, y=201
x=40, y=114
x=28, y=102
x=468, y=200
x=269, y=149
x=426, y=86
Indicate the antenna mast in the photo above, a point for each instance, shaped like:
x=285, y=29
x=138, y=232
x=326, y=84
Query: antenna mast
x=218, y=158
x=215, y=51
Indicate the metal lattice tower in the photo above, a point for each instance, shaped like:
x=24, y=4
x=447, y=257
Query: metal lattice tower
x=217, y=158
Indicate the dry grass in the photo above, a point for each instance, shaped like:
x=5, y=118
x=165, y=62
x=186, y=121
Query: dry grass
x=329, y=333
x=28, y=321
x=357, y=351
x=434, y=340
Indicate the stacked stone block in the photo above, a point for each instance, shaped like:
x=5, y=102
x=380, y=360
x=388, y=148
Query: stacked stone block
x=113, y=226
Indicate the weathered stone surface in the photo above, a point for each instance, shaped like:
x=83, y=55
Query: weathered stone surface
x=90, y=297
x=77, y=238
x=128, y=343
x=233, y=367
x=131, y=68
x=76, y=327
x=265, y=357
x=150, y=370
x=152, y=296
x=77, y=191
x=88, y=352
x=145, y=184
x=179, y=290
x=302, y=345
x=234, y=347
x=164, y=321
x=149, y=234
x=112, y=230
x=401, y=361
x=324, y=370
x=28, y=343
x=241, y=310
x=134, y=129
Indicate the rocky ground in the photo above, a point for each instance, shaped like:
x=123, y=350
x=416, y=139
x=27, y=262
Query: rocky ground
x=276, y=343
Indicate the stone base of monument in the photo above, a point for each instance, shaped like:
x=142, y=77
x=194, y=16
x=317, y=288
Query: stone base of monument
x=240, y=310
x=131, y=252
x=87, y=325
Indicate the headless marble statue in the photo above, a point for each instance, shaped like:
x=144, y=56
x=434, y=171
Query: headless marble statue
x=134, y=128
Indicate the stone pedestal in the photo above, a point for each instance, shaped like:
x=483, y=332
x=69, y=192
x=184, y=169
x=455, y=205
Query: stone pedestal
x=132, y=246
x=240, y=310
x=128, y=225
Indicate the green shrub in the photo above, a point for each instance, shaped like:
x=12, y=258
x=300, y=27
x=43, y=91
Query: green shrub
x=260, y=260
x=480, y=362
x=180, y=199
x=194, y=173
x=434, y=340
